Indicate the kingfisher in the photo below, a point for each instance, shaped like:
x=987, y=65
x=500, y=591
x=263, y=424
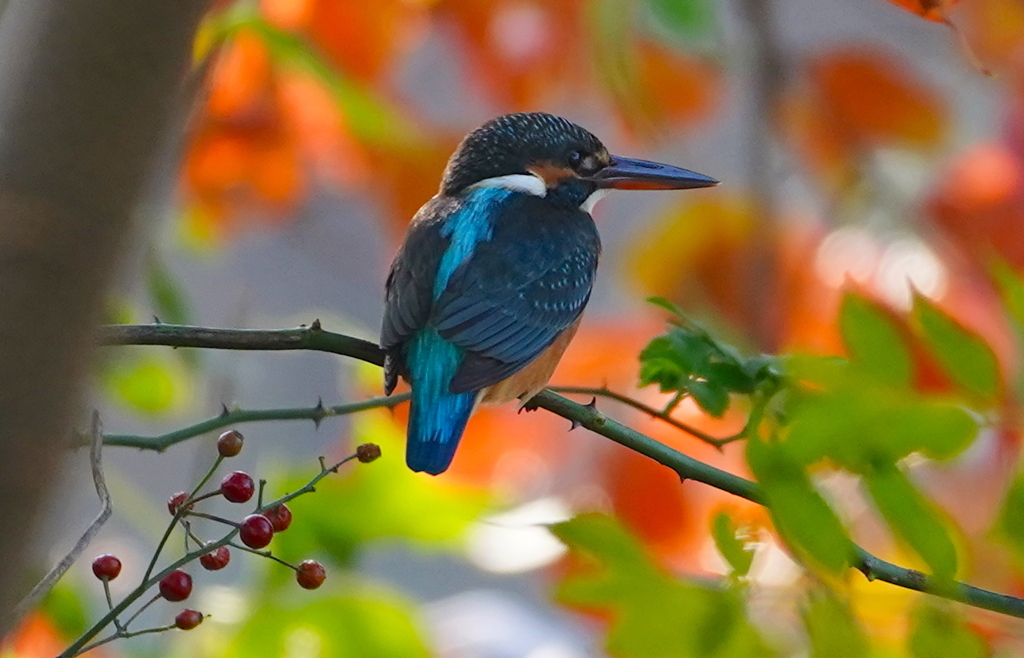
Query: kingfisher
x=491, y=280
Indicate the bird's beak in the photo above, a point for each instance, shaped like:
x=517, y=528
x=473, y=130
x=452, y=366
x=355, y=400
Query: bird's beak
x=632, y=174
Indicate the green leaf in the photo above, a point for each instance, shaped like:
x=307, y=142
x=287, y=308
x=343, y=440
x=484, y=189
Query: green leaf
x=874, y=340
x=733, y=376
x=603, y=538
x=1010, y=525
x=688, y=360
x=669, y=306
x=661, y=365
x=963, y=355
x=736, y=552
x=356, y=621
x=833, y=630
x=1011, y=289
x=801, y=516
x=937, y=633
x=913, y=519
x=653, y=614
x=848, y=417
x=687, y=20
x=712, y=398
x=374, y=502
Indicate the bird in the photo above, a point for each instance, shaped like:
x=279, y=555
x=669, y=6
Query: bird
x=489, y=284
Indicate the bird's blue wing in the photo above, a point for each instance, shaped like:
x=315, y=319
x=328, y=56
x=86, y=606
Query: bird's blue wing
x=410, y=285
x=518, y=290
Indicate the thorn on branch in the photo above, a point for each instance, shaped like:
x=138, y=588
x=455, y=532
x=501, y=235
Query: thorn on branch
x=592, y=405
x=156, y=320
x=316, y=325
x=319, y=412
x=224, y=411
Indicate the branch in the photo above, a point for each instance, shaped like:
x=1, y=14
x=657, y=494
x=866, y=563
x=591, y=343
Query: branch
x=311, y=338
x=316, y=414
x=666, y=416
x=688, y=468
x=51, y=578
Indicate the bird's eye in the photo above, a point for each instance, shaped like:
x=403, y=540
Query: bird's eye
x=575, y=157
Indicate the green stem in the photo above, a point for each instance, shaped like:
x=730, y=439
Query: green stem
x=211, y=517
x=122, y=635
x=179, y=513
x=141, y=609
x=110, y=604
x=673, y=403
x=255, y=551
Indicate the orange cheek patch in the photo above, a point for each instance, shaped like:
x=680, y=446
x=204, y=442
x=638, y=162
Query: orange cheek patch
x=551, y=173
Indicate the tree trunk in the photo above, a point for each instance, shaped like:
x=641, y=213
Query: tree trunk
x=87, y=88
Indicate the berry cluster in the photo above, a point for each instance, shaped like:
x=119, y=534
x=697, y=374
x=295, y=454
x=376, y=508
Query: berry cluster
x=255, y=531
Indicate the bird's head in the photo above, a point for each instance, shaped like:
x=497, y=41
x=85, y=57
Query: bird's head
x=547, y=155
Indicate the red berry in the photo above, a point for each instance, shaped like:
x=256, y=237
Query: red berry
x=175, y=502
x=280, y=517
x=176, y=586
x=237, y=487
x=311, y=574
x=216, y=559
x=367, y=452
x=230, y=443
x=256, y=531
x=188, y=619
x=106, y=567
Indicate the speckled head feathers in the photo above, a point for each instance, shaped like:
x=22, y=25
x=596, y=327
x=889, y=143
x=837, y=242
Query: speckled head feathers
x=509, y=144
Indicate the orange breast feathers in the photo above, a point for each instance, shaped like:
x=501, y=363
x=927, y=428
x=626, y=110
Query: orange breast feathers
x=532, y=379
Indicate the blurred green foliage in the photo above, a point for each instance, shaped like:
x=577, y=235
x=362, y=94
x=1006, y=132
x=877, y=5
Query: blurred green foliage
x=654, y=614
x=348, y=620
x=832, y=628
x=938, y=633
x=737, y=553
x=383, y=501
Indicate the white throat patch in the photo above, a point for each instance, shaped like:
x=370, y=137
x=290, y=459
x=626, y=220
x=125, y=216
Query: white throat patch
x=595, y=196
x=528, y=183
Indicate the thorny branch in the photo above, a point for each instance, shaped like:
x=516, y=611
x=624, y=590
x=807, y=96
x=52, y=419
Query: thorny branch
x=688, y=468
x=661, y=414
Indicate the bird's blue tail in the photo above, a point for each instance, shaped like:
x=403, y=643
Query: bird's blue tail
x=437, y=417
